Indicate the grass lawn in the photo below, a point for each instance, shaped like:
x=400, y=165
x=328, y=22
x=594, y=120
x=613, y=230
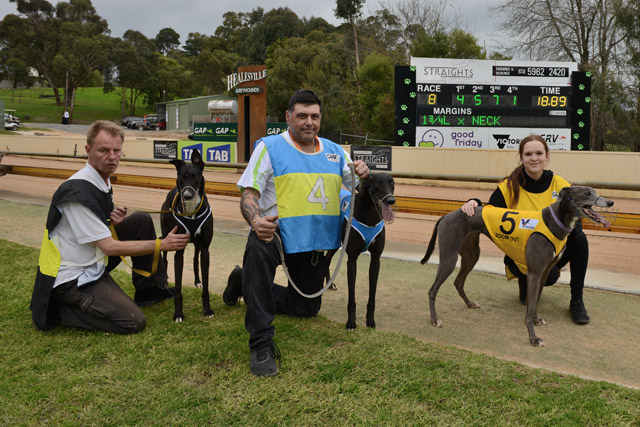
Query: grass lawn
x=91, y=104
x=197, y=372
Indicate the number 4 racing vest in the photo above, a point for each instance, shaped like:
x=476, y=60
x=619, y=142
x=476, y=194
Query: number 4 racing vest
x=308, y=194
x=510, y=230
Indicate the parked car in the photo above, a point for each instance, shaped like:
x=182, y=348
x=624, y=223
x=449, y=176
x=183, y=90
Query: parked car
x=161, y=125
x=148, y=122
x=133, y=123
x=127, y=120
x=11, y=122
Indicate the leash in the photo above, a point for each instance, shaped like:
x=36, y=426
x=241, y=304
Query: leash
x=344, y=246
x=156, y=256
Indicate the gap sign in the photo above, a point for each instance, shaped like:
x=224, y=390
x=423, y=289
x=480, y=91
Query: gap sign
x=222, y=132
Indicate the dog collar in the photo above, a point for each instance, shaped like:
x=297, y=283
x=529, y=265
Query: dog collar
x=560, y=224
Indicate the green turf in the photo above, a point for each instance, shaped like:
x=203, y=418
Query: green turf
x=196, y=373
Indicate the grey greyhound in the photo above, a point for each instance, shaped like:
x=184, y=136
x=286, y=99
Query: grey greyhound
x=460, y=234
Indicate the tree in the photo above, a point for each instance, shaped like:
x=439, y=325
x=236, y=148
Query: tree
x=412, y=19
x=195, y=43
x=315, y=61
x=134, y=57
x=84, y=46
x=34, y=38
x=350, y=11
x=277, y=24
x=376, y=97
x=209, y=72
x=582, y=31
x=454, y=44
x=17, y=72
x=628, y=17
x=167, y=40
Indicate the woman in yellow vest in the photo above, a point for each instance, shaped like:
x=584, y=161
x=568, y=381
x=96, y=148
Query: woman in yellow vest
x=531, y=187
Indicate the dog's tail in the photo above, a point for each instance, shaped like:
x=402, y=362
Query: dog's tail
x=432, y=243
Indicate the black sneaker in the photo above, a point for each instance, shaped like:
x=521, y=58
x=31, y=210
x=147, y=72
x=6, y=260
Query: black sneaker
x=233, y=292
x=263, y=360
x=578, y=312
x=153, y=295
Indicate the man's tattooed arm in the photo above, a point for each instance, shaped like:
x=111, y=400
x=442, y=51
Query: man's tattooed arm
x=249, y=205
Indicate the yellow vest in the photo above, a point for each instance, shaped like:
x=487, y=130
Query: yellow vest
x=534, y=201
x=510, y=230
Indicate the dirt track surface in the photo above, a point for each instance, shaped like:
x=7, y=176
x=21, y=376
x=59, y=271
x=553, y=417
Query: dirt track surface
x=402, y=301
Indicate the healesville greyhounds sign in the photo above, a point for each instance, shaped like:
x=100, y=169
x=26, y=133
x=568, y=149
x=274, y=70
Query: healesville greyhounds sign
x=235, y=79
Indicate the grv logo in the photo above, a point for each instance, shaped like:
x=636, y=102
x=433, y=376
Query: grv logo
x=503, y=140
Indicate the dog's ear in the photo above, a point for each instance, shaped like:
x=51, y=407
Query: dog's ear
x=196, y=159
x=564, y=193
x=177, y=163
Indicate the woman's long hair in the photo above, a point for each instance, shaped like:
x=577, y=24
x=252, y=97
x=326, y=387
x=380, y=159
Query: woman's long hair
x=516, y=179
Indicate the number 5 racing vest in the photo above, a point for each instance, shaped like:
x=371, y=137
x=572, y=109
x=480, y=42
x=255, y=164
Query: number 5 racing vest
x=510, y=230
x=308, y=194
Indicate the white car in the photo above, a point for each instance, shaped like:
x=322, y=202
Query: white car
x=11, y=122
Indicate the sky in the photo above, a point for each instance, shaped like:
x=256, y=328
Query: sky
x=204, y=16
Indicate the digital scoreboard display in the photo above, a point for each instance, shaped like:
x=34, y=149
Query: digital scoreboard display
x=444, y=103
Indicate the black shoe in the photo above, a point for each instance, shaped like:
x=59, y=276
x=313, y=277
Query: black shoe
x=578, y=312
x=263, y=360
x=233, y=292
x=522, y=285
x=153, y=295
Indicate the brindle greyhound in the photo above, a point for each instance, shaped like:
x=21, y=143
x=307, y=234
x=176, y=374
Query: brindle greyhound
x=187, y=207
x=372, y=209
x=460, y=234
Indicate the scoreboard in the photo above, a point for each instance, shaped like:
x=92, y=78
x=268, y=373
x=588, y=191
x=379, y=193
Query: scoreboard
x=450, y=103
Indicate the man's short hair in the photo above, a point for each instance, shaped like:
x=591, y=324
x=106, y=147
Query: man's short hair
x=111, y=128
x=304, y=97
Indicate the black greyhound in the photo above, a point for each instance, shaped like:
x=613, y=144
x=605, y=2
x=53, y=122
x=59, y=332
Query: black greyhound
x=372, y=209
x=459, y=234
x=187, y=207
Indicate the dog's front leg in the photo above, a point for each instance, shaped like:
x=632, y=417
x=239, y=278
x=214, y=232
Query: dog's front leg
x=178, y=263
x=374, y=271
x=196, y=266
x=351, y=302
x=204, y=262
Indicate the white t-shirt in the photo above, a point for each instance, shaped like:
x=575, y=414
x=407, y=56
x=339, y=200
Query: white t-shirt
x=76, y=234
x=259, y=175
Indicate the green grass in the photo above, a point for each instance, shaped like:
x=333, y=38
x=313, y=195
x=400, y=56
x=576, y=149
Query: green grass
x=197, y=373
x=91, y=104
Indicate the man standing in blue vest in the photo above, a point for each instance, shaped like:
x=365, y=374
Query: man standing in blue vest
x=291, y=188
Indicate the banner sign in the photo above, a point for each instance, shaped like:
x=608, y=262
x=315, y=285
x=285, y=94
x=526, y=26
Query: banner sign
x=377, y=157
x=222, y=132
x=276, y=128
x=211, y=152
x=165, y=150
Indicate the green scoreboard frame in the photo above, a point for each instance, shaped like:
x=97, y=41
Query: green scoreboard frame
x=483, y=104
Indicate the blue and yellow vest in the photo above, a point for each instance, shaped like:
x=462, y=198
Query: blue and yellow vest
x=510, y=230
x=308, y=194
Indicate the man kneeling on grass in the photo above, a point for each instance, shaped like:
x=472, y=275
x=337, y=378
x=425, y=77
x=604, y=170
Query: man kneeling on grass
x=84, y=238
